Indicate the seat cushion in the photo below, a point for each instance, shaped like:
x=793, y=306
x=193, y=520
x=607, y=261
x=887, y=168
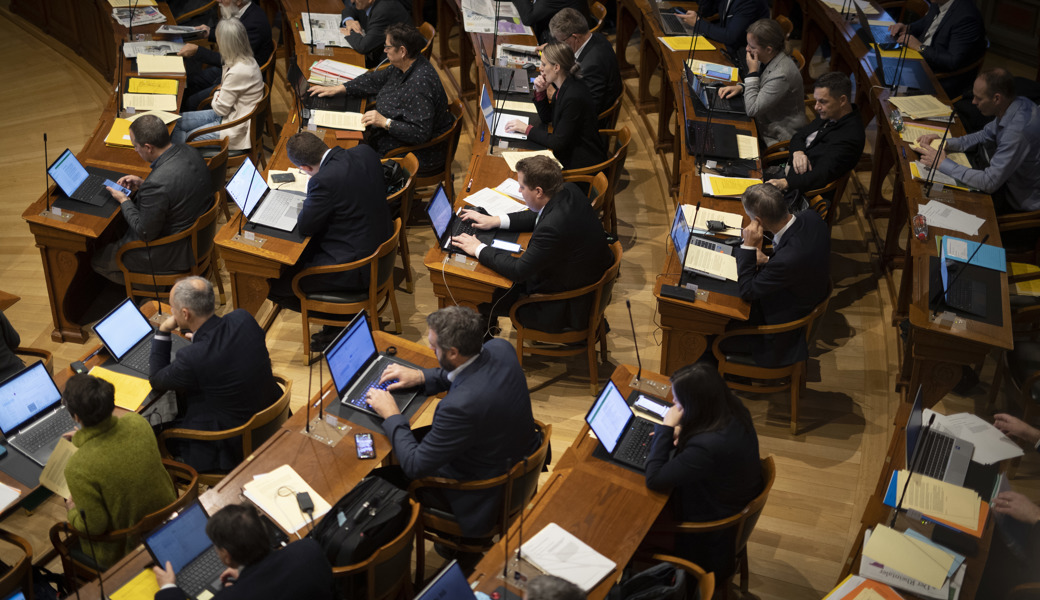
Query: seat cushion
x=338, y=297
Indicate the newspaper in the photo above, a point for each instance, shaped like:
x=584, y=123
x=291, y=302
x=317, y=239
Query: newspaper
x=325, y=28
x=156, y=48
x=142, y=15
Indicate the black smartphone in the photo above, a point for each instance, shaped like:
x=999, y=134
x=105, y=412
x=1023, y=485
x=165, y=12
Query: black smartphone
x=283, y=178
x=365, y=447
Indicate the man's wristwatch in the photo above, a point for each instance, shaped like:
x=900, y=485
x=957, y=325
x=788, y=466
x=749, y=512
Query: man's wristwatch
x=387, y=126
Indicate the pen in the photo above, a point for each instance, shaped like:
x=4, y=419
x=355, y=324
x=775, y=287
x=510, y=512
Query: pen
x=470, y=185
x=904, y=152
x=93, y=354
x=482, y=136
x=294, y=120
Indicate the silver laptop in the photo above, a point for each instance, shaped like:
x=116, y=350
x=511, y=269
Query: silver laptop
x=671, y=24
x=262, y=205
x=933, y=453
x=32, y=416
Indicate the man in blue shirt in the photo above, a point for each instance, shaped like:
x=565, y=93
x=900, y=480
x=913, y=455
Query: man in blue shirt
x=1011, y=141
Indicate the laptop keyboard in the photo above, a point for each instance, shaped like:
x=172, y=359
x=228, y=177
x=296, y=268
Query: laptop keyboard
x=138, y=359
x=324, y=103
x=935, y=454
x=91, y=187
x=461, y=226
x=672, y=23
x=33, y=439
x=959, y=295
x=198, y=574
x=636, y=445
x=370, y=383
x=882, y=36
x=705, y=244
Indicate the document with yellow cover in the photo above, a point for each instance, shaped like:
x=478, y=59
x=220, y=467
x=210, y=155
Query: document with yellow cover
x=131, y=391
x=119, y=135
x=142, y=587
x=164, y=102
x=726, y=187
x=140, y=85
x=685, y=43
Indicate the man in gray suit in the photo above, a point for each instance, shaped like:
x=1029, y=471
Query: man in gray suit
x=175, y=194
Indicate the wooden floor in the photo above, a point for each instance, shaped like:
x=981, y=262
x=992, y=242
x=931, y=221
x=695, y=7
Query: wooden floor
x=824, y=474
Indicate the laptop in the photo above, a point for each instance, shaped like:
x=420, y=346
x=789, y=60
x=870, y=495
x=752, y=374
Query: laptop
x=260, y=204
x=892, y=71
x=126, y=334
x=449, y=584
x=447, y=224
x=875, y=34
x=938, y=455
x=624, y=435
x=295, y=76
x=720, y=141
x=32, y=416
x=183, y=542
x=723, y=106
x=966, y=293
x=496, y=128
x=683, y=238
x=82, y=183
x=672, y=24
x=505, y=79
x=356, y=366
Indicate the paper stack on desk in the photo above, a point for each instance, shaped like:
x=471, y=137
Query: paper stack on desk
x=325, y=27
x=923, y=172
x=732, y=220
x=333, y=72
x=494, y=202
x=855, y=587
x=141, y=85
x=163, y=102
x=149, y=63
x=513, y=157
x=924, y=106
x=557, y=552
x=275, y=494
x=940, y=214
x=988, y=256
x=953, y=506
x=726, y=187
x=119, y=135
x=912, y=131
x=331, y=119
x=712, y=70
x=991, y=446
x=911, y=562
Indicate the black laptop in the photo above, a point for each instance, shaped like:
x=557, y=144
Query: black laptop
x=875, y=34
x=720, y=106
x=892, y=71
x=719, y=140
x=86, y=184
x=127, y=336
x=961, y=290
x=446, y=224
x=182, y=542
x=505, y=79
x=338, y=103
x=671, y=24
x=32, y=416
x=624, y=436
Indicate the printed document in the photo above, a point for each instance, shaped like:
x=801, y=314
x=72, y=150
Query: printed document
x=557, y=552
x=350, y=121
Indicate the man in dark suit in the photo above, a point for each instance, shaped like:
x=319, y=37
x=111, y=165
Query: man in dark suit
x=345, y=214
x=599, y=67
x=365, y=22
x=536, y=14
x=731, y=27
x=481, y=428
x=787, y=285
x=299, y=570
x=568, y=248
x=222, y=379
x=829, y=146
x=950, y=37
x=168, y=201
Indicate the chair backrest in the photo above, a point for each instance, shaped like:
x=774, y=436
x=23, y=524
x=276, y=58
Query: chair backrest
x=798, y=59
x=389, y=567
x=429, y=33
x=599, y=12
x=256, y=149
x=618, y=148
x=191, y=14
x=832, y=193
x=608, y=118
x=403, y=197
x=265, y=423
x=749, y=516
x=523, y=476
x=385, y=257
x=218, y=167
x=598, y=187
x=267, y=69
x=705, y=581
x=605, y=286
x=19, y=575
x=786, y=25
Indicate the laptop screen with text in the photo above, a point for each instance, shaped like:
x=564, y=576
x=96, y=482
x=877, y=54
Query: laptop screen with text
x=68, y=173
x=247, y=187
x=121, y=329
x=350, y=352
x=28, y=393
x=608, y=416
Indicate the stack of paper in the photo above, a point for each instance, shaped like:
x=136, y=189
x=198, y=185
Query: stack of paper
x=912, y=131
x=924, y=106
x=514, y=157
x=326, y=72
x=130, y=391
x=494, y=202
x=912, y=562
x=685, y=43
x=275, y=494
x=299, y=184
x=142, y=587
x=732, y=220
x=130, y=3
x=708, y=261
x=325, y=29
x=726, y=187
x=923, y=172
x=1027, y=287
x=860, y=588
x=942, y=502
x=712, y=70
x=133, y=49
x=337, y=120
x=747, y=146
x=139, y=85
x=557, y=552
x=991, y=445
x=8, y=496
x=939, y=214
x=510, y=187
x=163, y=102
x=142, y=15
x=119, y=135
x=148, y=63
x=165, y=117
x=53, y=475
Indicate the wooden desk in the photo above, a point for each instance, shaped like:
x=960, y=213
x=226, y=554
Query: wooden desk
x=606, y=506
x=7, y=300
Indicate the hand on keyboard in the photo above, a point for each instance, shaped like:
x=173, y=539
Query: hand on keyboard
x=382, y=402
x=479, y=220
x=399, y=377
x=466, y=243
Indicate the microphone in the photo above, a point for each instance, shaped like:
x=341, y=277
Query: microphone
x=943, y=289
x=494, y=35
x=46, y=165
x=121, y=58
x=929, y=181
x=133, y=11
x=909, y=474
x=695, y=211
x=501, y=106
x=643, y=385
x=93, y=556
x=310, y=27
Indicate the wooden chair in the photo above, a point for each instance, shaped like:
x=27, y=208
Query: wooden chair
x=617, y=147
x=743, y=364
x=267, y=70
x=1020, y=251
x=705, y=581
x=191, y=14
x=971, y=68
x=568, y=341
x=786, y=25
x=906, y=8
x=200, y=236
x=404, y=198
x=608, y=118
x=428, y=32
x=66, y=539
x=832, y=192
x=337, y=308
x=598, y=187
x=387, y=573
x=253, y=432
x=821, y=207
x=1025, y=591
x=799, y=60
x=450, y=139
x=255, y=152
x=520, y=482
x=216, y=156
x=599, y=12
x=44, y=355
x=19, y=576
x=743, y=522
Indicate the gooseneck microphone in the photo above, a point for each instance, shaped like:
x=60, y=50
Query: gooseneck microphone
x=914, y=464
x=643, y=385
x=46, y=165
x=93, y=555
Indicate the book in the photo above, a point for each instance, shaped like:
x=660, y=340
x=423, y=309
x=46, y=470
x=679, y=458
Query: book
x=556, y=551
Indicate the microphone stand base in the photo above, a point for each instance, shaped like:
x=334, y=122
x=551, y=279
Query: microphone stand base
x=325, y=432
x=50, y=214
x=255, y=242
x=652, y=388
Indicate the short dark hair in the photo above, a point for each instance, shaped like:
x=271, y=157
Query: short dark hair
x=196, y=294
x=551, y=587
x=150, y=129
x=837, y=84
x=237, y=529
x=999, y=81
x=765, y=201
x=568, y=22
x=305, y=149
x=403, y=34
x=459, y=328
x=89, y=398
x=541, y=172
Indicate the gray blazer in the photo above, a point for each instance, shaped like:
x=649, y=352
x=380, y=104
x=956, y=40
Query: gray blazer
x=776, y=100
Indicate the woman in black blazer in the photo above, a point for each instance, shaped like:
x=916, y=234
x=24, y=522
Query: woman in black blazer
x=575, y=139
x=706, y=455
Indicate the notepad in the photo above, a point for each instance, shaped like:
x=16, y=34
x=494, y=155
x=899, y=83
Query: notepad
x=275, y=494
x=712, y=70
x=164, y=102
x=557, y=552
x=350, y=121
x=142, y=587
x=165, y=117
x=732, y=220
x=684, y=43
x=119, y=135
x=130, y=391
x=747, y=146
x=726, y=187
x=711, y=262
x=147, y=63
x=924, y=106
x=139, y=85
x=512, y=158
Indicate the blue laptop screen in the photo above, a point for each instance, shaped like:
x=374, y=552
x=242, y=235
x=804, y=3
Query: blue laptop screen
x=440, y=212
x=67, y=173
x=680, y=234
x=181, y=539
x=451, y=584
x=246, y=188
x=27, y=394
x=609, y=416
x=487, y=108
x=122, y=329
x=350, y=352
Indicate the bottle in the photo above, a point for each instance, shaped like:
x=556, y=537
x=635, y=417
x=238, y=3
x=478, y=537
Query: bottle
x=920, y=224
x=897, y=120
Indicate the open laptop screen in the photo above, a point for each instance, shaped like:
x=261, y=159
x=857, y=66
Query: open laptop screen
x=608, y=416
x=180, y=539
x=450, y=584
x=913, y=427
x=350, y=352
x=68, y=173
x=121, y=329
x=440, y=212
x=26, y=394
x=680, y=233
x=247, y=187
x=487, y=108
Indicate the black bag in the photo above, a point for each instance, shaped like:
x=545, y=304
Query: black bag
x=659, y=582
x=367, y=518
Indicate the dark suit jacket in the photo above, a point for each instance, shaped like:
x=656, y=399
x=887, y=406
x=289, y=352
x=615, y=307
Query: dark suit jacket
x=731, y=27
x=599, y=71
x=9, y=341
x=480, y=429
x=299, y=570
x=257, y=27
x=346, y=213
x=222, y=379
x=788, y=287
x=713, y=476
x=568, y=250
x=174, y=194
x=537, y=15
x=383, y=14
x=575, y=139
x=834, y=152
x=959, y=41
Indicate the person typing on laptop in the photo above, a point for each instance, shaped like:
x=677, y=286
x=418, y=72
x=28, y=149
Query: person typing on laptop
x=116, y=477
x=299, y=570
x=732, y=24
x=706, y=455
x=222, y=379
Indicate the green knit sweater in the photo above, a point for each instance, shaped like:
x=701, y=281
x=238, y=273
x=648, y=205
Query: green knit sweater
x=116, y=477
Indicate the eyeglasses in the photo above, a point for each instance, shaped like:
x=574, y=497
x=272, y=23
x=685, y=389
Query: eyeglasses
x=387, y=46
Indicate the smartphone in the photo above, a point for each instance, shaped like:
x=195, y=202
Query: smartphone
x=117, y=187
x=365, y=447
x=283, y=178
x=651, y=406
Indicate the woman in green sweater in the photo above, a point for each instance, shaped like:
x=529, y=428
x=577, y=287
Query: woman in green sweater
x=116, y=476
